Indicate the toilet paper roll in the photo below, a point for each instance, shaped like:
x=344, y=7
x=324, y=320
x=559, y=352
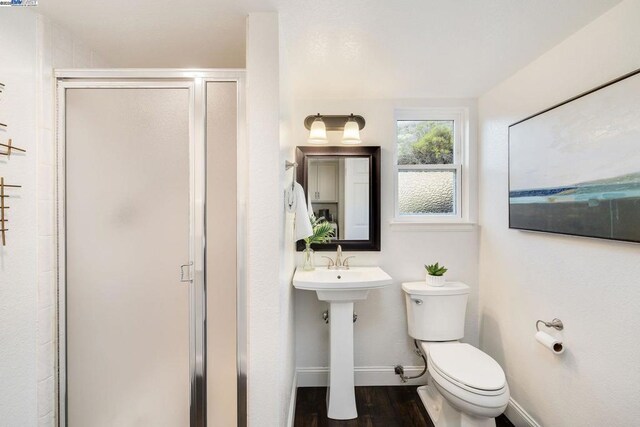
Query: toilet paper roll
x=550, y=342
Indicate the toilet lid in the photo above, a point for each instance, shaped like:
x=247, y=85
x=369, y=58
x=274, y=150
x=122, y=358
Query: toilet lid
x=467, y=365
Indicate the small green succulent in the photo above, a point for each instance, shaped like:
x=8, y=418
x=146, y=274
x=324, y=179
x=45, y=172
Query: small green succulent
x=435, y=269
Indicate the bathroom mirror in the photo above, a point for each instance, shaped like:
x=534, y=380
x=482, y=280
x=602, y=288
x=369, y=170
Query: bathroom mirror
x=343, y=185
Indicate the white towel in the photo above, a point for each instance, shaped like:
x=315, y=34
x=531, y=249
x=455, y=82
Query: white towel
x=302, y=223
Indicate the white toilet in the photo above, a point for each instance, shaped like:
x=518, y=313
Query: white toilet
x=466, y=387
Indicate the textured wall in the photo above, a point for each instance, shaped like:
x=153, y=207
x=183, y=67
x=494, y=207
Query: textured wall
x=269, y=265
x=18, y=260
x=287, y=245
x=592, y=285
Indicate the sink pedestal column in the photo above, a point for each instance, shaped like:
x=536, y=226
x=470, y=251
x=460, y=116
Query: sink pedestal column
x=341, y=396
x=340, y=288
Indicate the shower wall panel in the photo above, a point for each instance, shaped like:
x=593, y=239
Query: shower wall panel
x=221, y=262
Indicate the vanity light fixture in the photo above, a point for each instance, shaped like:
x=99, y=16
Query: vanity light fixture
x=351, y=134
x=318, y=131
x=350, y=127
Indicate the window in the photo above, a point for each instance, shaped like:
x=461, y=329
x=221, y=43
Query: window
x=430, y=148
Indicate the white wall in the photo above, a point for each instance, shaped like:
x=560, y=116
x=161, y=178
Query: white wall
x=32, y=45
x=287, y=244
x=270, y=262
x=381, y=338
x=18, y=260
x=592, y=285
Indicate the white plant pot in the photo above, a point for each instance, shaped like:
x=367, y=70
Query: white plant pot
x=435, y=280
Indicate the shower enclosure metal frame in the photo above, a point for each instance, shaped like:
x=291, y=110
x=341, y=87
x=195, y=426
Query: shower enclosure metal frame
x=195, y=81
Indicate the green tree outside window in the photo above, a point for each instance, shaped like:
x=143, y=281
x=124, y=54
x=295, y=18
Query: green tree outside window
x=425, y=142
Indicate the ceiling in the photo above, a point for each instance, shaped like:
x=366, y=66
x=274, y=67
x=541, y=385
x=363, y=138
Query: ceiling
x=338, y=48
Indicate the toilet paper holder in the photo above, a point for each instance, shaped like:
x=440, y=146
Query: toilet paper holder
x=555, y=323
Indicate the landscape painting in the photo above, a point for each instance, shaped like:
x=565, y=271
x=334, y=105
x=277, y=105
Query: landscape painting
x=575, y=168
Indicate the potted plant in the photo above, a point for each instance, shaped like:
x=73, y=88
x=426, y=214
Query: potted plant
x=435, y=274
x=322, y=233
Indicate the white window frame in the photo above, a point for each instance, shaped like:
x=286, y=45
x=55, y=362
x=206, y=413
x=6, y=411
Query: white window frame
x=460, y=118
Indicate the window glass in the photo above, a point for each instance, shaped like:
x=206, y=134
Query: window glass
x=425, y=142
x=423, y=192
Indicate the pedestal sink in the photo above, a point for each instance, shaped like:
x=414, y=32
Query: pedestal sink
x=341, y=288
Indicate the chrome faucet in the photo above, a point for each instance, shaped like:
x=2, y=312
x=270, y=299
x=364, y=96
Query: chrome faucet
x=339, y=263
x=339, y=256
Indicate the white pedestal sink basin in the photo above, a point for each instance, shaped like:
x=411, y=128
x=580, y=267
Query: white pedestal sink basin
x=341, y=288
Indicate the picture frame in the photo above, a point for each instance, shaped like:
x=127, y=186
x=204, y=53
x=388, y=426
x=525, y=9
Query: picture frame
x=574, y=168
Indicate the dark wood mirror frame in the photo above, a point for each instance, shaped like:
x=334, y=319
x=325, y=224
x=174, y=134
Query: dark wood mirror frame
x=373, y=154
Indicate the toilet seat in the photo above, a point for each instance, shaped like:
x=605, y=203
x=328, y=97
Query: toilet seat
x=468, y=368
x=441, y=377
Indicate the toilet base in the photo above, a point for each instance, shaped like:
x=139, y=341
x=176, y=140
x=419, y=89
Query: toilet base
x=444, y=415
x=441, y=413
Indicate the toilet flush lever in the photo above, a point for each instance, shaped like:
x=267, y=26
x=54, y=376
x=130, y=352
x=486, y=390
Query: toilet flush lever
x=417, y=301
x=186, y=277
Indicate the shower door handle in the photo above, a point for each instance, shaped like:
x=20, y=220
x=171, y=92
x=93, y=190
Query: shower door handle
x=188, y=275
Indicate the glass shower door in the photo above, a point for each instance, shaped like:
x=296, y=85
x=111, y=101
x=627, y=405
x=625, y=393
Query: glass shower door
x=127, y=233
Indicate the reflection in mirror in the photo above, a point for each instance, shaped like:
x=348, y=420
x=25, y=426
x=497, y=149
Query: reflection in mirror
x=338, y=188
x=342, y=184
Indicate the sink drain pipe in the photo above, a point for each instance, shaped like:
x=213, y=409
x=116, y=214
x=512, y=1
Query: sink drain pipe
x=399, y=369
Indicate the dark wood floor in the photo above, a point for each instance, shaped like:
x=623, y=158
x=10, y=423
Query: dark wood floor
x=377, y=407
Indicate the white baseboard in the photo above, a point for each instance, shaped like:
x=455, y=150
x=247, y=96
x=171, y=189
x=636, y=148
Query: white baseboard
x=292, y=401
x=518, y=416
x=364, y=376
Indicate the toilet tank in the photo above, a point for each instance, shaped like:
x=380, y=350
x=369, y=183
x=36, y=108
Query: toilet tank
x=436, y=313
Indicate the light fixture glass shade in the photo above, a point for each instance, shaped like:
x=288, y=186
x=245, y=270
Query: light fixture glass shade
x=318, y=132
x=351, y=133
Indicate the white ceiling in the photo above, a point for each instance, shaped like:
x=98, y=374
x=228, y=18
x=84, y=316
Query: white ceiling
x=338, y=48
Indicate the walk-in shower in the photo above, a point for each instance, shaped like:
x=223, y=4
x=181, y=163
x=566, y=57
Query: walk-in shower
x=150, y=216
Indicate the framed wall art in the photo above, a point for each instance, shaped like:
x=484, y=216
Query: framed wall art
x=575, y=167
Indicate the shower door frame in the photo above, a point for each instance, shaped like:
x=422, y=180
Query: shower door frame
x=194, y=80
